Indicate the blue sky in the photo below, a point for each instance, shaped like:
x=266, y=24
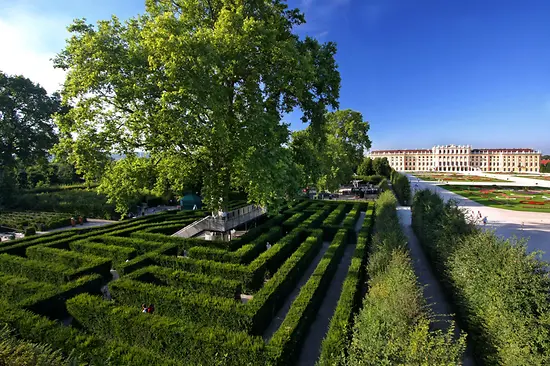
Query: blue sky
x=422, y=72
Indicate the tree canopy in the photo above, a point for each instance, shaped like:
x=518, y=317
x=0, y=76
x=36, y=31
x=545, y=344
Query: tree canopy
x=199, y=86
x=26, y=127
x=331, y=161
x=366, y=167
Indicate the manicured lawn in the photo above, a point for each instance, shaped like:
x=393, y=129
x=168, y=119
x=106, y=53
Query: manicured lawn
x=510, y=198
x=541, y=177
x=452, y=177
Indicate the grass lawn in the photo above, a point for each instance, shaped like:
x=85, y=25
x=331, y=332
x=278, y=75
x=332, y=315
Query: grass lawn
x=541, y=177
x=453, y=177
x=510, y=198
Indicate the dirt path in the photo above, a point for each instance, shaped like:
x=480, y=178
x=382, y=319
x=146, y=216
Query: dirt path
x=433, y=292
x=311, y=348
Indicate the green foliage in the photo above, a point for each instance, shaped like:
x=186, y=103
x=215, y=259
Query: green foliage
x=336, y=341
x=330, y=157
x=15, y=352
x=383, y=185
x=201, y=90
x=286, y=341
x=115, y=253
x=372, y=179
x=187, y=282
x=366, y=168
x=33, y=220
x=382, y=167
x=175, y=338
x=401, y=187
x=393, y=326
x=499, y=290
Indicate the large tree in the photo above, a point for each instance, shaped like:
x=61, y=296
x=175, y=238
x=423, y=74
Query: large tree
x=330, y=159
x=26, y=125
x=366, y=167
x=196, y=85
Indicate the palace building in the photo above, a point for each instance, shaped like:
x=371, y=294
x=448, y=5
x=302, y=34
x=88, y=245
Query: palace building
x=454, y=158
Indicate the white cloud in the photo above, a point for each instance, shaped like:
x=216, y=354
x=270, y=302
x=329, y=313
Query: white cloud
x=28, y=42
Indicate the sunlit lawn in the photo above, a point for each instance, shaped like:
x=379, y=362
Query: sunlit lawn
x=452, y=177
x=510, y=198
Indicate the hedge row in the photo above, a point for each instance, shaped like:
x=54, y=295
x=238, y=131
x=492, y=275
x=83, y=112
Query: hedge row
x=116, y=254
x=65, y=257
x=55, y=273
x=266, y=302
x=499, y=291
x=393, y=326
x=352, y=217
x=141, y=246
x=401, y=187
x=295, y=220
x=285, y=344
x=315, y=220
x=244, y=254
x=197, y=308
x=338, y=336
x=251, y=276
x=187, y=282
x=91, y=349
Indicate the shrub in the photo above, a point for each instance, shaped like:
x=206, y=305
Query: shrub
x=287, y=339
x=188, y=282
x=190, y=307
x=117, y=254
x=266, y=302
x=401, y=187
x=174, y=338
x=500, y=292
x=336, y=341
x=386, y=331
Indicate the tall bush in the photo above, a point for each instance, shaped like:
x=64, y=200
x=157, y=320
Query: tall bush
x=499, y=290
x=401, y=187
x=393, y=326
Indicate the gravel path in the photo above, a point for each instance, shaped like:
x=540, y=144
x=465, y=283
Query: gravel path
x=433, y=293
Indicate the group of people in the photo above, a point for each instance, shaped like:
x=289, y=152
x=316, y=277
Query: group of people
x=147, y=309
x=483, y=219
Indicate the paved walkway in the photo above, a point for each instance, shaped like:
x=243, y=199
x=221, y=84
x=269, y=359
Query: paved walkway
x=90, y=223
x=311, y=348
x=433, y=293
x=534, y=226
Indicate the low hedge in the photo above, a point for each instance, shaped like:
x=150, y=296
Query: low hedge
x=338, y=336
x=86, y=348
x=317, y=218
x=65, y=257
x=175, y=338
x=252, y=276
x=295, y=220
x=188, y=282
x=244, y=254
x=141, y=246
x=266, y=302
x=190, y=307
x=286, y=342
x=116, y=254
x=351, y=218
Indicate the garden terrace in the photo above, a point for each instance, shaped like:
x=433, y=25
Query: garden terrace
x=214, y=300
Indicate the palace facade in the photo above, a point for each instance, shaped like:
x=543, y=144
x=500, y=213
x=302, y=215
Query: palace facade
x=462, y=158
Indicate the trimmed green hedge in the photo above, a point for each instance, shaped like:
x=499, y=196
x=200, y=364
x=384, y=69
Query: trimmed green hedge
x=393, y=326
x=65, y=257
x=87, y=348
x=315, y=220
x=192, y=307
x=498, y=289
x=244, y=254
x=338, y=336
x=188, y=282
x=178, y=339
x=266, y=302
x=117, y=254
x=286, y=342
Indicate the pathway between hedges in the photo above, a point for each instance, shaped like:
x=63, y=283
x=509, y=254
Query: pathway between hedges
x=433, y=291
x=311, y=348
x=281, y=314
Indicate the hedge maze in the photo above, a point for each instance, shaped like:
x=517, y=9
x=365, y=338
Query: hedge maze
x=81, y=291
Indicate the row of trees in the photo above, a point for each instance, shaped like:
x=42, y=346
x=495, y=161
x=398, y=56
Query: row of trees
x=545, y=168
x=191, y=95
